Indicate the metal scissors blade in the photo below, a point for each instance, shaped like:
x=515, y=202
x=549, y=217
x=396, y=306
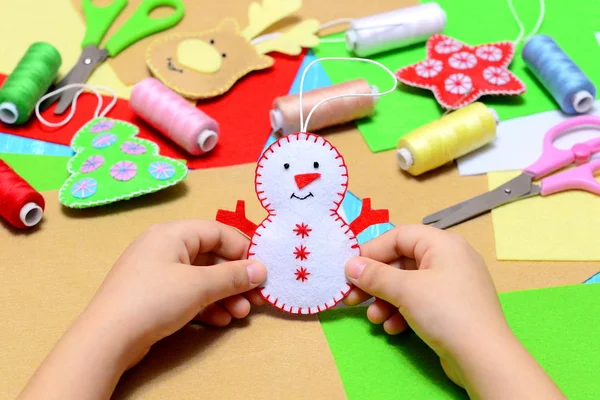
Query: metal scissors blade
x=518, y=188
x=91, y=57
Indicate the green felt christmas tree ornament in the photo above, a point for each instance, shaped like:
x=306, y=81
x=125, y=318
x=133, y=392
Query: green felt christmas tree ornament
x=111, y=164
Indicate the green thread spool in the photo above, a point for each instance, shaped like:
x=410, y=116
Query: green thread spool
x=30, y=79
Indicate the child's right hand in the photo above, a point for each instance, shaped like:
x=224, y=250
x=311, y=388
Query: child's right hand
x=434, y=282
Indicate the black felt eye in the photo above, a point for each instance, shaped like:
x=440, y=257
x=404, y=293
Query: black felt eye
x=212, y=41
x=224, y=55
x=316, y=165
x=286, y=165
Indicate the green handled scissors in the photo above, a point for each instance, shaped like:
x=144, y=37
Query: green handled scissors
x=98, y=21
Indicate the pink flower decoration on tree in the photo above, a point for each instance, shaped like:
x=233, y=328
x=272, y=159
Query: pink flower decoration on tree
x=123, y=170
x=133, y=148
x=458, y=74
x=102, y=126
x=92, y=164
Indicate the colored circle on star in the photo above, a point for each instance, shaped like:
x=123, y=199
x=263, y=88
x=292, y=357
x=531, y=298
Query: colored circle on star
x=429, y=68
x=161, y=170
x=496, y=76
x=102, y=126
x=84, y=188
x=92, y=164
x=104, y=140
x=489, y=53
x=123, y=171
x=462, y=60
x=458, y=84
x=133, y=148
x=448, y=46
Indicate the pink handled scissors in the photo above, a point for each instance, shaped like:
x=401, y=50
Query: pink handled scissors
x=552, y=159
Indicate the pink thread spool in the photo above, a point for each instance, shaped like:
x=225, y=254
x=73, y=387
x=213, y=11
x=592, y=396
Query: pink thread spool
x=174, y=116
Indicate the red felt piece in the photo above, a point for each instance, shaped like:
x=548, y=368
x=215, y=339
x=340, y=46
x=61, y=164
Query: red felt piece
x=458, y=74
x=237, y=219
x=303, y=180
x=242, y=113
x=368, y=217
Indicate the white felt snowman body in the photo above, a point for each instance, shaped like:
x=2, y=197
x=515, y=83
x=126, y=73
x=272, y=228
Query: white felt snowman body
x=301, y=181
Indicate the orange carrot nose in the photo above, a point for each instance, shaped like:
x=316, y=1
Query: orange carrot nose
x=303, y=180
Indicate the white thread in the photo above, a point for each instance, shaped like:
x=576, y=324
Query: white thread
x=517, y=19
x=303, y=124
x=82, y=87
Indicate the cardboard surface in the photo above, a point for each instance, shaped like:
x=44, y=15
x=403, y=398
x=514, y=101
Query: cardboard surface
x=563, y=338
x=200, y=16
x=46, y=284
x=556, y=227
x=473, y=22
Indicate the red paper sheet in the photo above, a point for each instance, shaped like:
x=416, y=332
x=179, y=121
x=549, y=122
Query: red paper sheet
x=242, y=113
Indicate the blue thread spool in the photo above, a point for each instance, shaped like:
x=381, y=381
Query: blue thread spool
x=567, y=83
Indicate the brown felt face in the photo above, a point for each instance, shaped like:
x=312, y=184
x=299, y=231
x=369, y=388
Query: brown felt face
x=206, y=64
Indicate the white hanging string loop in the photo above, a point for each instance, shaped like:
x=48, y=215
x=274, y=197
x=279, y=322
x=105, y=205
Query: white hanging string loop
x=82, y=87
x=535, y=29
x=303, y=124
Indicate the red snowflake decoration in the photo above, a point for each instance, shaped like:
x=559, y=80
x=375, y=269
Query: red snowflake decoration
x=302, y=230
x=302, y=274
x=458, y=74
x=301, y=253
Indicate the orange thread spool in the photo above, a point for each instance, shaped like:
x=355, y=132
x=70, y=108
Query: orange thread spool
x=285, y=115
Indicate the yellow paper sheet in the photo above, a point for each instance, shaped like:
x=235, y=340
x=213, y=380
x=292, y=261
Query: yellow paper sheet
x=28, y=21
x=561, y=227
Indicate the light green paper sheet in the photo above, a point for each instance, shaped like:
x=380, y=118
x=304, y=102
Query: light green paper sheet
x=571, y=23
x=559, y=326
x=44, y=173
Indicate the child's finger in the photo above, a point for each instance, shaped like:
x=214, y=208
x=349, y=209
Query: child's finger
x=356, y=296
x=254, y=297
x=395, y=324
x=238, y=306
x=380, y=311
x=213, y=314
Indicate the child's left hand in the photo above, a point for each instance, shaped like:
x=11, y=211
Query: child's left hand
x=178, y=272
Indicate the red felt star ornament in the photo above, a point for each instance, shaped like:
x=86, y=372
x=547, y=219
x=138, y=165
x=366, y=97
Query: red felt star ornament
x=302, y=274
x=302, y=230
x=458, y=74
x=301, y=253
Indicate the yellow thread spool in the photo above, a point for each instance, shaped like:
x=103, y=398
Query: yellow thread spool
x=447, y=138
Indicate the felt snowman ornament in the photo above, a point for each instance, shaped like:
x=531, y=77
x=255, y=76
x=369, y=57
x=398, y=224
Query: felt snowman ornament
x=301, y=181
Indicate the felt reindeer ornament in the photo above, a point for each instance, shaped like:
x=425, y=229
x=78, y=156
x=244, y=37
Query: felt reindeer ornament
x=207, y=64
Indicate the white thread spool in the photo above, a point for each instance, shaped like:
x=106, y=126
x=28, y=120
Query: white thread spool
x=391, y=30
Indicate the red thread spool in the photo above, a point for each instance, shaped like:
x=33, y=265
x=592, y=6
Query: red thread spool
x=20, y=204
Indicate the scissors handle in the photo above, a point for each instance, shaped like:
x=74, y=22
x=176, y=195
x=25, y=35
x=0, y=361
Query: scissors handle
x=579, y=178
x=140, y=24
x=553, y=158
x=99, y=19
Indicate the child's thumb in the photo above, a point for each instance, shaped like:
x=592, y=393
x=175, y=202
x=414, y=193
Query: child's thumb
x=227, y=279
x=379, y=279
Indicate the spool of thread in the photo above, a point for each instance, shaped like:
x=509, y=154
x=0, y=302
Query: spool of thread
x=30, y=79
x=285, y=115
x=565, y=81
x=20, y=204
x=447, y=138
x=174, y=116
x=394, y=29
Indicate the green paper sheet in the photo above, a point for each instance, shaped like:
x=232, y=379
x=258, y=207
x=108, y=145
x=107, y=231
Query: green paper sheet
x=559, y=326
x=44, y=173
x=571, y=23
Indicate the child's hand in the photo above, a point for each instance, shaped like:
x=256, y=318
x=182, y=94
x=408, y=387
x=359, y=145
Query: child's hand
x=441, y=288
x=177, y=272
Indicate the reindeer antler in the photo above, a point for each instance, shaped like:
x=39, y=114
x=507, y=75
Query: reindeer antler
x=260, y=17
x=292, y=41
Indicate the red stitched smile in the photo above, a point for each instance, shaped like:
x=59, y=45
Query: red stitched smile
x=293, y=196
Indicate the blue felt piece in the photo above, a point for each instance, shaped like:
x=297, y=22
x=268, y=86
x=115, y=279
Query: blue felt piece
x=594, y=279
x=20, y=145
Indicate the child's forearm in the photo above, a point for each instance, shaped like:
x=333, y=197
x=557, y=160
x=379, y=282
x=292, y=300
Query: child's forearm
x=86, y=363
x=499, y=367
